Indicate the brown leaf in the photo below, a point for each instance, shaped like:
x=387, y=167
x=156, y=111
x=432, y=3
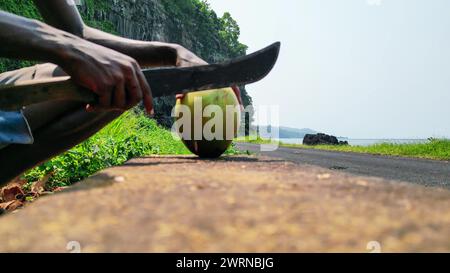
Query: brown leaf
x=10, y=192
x=39, y=186
x=11, y=205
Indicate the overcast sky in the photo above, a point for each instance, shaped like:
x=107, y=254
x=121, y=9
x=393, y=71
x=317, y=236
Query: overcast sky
x=355, y=68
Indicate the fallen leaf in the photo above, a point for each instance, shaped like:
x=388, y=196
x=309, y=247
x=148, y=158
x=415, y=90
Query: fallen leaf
x=11, y=192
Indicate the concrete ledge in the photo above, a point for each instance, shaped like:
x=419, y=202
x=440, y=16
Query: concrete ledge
x=235, y=204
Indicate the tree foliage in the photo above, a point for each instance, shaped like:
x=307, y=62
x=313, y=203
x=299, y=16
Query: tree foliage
x=215, y=34
x=230, y=33
x=24, y=8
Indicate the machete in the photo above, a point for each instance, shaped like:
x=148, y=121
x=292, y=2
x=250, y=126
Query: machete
x=163, y=81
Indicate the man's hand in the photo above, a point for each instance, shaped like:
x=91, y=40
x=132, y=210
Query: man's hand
x=186, y=58
x=116, y=78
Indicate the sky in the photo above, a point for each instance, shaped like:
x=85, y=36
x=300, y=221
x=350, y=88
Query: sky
x=354, y=68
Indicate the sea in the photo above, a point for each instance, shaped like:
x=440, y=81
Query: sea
x=361, y=142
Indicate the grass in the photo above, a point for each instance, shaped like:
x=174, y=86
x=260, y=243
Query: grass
x=255, y=140
x=131, y=135
x=438, y=149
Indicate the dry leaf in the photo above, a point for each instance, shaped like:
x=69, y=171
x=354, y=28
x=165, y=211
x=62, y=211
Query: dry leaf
x=14, y=197
x=39, y=186
x=12, y=192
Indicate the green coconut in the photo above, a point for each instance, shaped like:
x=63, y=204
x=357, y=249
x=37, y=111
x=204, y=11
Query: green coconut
x=204, y=146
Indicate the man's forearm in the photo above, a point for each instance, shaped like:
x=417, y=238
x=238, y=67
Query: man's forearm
x=64, y=15
x=145, y=52
x=27, y=39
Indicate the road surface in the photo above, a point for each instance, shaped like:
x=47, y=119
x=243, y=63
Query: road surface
x=234, y=204
x=420, y=171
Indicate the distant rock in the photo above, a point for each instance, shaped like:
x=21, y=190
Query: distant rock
x=322, y=139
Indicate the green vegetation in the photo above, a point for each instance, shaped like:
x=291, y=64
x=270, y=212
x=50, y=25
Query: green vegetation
x=434, y=149
x=201, y=19
x=131, y=135
x=438, y=149
x=230, y=33
x=24, y=8
x=255, y=140
x=91, y=7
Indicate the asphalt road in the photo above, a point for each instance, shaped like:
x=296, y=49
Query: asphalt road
x=420, y=171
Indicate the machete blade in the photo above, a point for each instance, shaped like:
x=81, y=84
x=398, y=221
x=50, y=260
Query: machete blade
x=163, y=81
x=237, y=72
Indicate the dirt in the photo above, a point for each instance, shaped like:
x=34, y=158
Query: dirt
x=235, y=204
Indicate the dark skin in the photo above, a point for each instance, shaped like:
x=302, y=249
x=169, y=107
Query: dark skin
x=104, y=63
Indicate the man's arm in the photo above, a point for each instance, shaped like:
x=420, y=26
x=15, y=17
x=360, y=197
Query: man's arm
x=114, y=77
x=27, y=39
x=64, y=15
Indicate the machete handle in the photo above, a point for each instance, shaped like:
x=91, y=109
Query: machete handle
x=14, y=96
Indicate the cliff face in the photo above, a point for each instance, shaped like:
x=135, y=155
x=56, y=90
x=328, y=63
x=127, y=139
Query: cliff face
x=156, y=20
x=186, y=22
